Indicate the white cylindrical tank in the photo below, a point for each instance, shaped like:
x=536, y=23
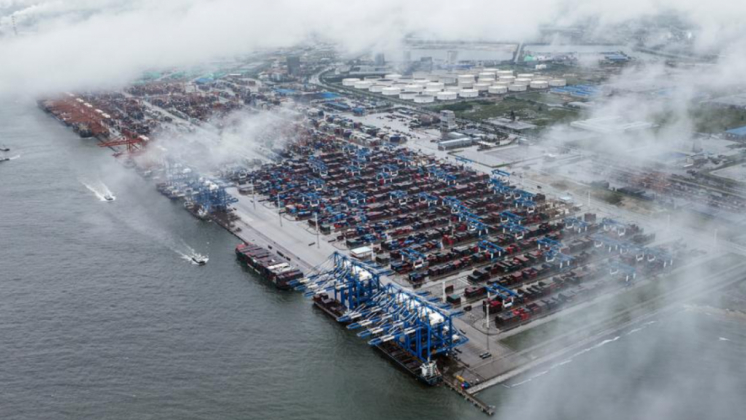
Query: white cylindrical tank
x=501, y=83
x=517, y=88
x=421, y=81
x=481, y=87
x=363, y=84
x=431, y=91
x=504, y=73
x=413, y=88
x=391, y=91
x=489, y=80
x=466, y=85
x=468, y=93
x=557, y=82
x=509, y=79
x=392, y=76
x=497, y=90
x=408, y=96
x=526, y=75
x=424, y=99
x=539, y=84
x=385, y=82
x=435, y=85
x=350, y=81
x=522, y=81
x=447, y=96
x=376, y=88
x=465, y=78
x=487, y=74
x=453, y=89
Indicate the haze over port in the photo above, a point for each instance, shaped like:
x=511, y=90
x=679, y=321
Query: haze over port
x=280, y=209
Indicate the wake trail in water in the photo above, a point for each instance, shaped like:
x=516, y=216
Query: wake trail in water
x=99, y=189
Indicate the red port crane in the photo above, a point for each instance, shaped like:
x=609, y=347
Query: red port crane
x=133, y=144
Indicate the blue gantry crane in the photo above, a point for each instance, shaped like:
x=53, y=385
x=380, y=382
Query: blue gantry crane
x=494, y=250
x=430, y=199
x=411, y=321
x=576, y=224
x=351, y=282
x=416, y=258
x=399, y=196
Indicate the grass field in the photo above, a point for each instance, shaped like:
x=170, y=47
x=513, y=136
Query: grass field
x=538, y=114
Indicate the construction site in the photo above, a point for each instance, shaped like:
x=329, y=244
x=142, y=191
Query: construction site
x=440, y=242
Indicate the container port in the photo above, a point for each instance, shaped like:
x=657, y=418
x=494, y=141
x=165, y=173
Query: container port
x=430, y=235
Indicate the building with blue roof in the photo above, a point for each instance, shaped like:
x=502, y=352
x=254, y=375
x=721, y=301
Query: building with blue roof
x=736, y=133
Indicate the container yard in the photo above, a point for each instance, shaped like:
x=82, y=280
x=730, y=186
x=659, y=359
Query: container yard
x=427, y=243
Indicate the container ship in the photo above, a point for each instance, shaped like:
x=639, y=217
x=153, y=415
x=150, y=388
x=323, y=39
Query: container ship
x=270, y=267
x=329, y=305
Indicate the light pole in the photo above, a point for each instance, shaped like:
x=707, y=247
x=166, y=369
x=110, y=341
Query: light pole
x=487, y=321
x=253, y=192
x=318, y=245
x=279, y=209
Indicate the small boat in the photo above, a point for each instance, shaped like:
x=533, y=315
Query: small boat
x=4, y=149
x=109, y=197
x=199, y=259
x=4, y=159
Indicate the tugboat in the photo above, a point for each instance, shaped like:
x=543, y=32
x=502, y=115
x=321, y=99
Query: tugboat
x=199, y=259
x=4, y=149
x=109, y=197
x=4, y=159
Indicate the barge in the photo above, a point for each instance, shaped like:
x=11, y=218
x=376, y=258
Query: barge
x=268, y=266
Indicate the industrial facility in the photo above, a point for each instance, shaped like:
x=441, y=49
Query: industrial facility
x=433, y=208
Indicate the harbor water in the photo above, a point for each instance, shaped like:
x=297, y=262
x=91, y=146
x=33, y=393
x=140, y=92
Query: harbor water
x=102, y=316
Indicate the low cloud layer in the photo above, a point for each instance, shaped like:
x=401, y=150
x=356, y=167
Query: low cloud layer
x=78, y=43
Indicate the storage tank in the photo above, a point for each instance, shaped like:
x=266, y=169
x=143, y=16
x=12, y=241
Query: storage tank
x=501, y=83
x=364, y=84
x=468, y=93
x=447, y=96
x=509, y=79
x=557, y=82
x=489, y=80
x=407, y=96
x=517, y=88
x=424, y=99
x=465, y=78
x=522, y=81
x=385, y=82
x=486, y=74
x=453, y=89
x=497, y=90
x=350, y=81
x=430, y=91
x=421, y=81
x=413, y=88
x=539, y=84
x=391, y=91
x=501, y=73
x=481, y=87
x=392, y=76
x=376, y=88
x=526, y=75
x=435, y=85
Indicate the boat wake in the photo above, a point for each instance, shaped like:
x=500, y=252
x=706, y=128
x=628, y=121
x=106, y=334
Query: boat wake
x=188, y=253
x=100, y=190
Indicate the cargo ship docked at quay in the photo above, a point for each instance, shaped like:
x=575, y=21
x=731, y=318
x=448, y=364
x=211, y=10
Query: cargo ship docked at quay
x=427, y=374
x=261, y=261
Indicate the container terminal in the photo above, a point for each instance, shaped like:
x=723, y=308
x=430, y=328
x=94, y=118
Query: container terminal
x=434, y=246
